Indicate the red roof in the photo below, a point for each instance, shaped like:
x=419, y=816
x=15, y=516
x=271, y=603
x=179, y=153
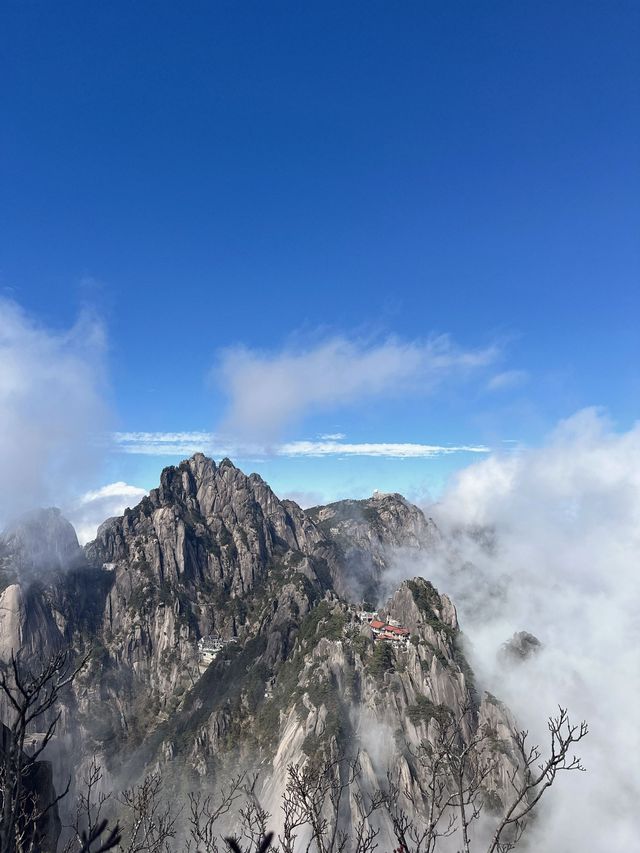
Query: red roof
x=401, y=632
x=376, y=623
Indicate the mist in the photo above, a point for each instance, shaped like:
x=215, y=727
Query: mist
x=548, y=541
x=52, y=409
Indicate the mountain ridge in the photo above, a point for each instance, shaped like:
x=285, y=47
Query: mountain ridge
x=214, y=552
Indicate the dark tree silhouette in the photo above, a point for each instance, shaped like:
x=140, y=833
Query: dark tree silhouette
x=31, y=691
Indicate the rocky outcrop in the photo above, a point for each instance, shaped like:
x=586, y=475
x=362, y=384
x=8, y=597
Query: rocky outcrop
x=384, y=704
x=39, y=797
x=213, y=551
x=366, y=532
x=39, y=543
x=520, y=647
x=12, y=620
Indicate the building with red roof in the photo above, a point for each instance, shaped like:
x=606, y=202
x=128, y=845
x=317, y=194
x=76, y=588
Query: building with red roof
x=386, y=631
x=399, y=632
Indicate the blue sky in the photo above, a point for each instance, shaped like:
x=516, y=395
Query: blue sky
x=256, y=198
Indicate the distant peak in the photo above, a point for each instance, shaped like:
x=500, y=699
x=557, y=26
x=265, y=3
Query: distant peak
x=42, y=539
x=48, y=517
x=200, y=464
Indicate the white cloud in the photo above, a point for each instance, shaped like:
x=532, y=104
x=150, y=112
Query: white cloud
x=386, y=449
x=51, y=408
x=186, y=443
x=507, y=379
x=169, y=443
x=332, y=436
x=94, y=507
x=269, y=391
x=563, y=564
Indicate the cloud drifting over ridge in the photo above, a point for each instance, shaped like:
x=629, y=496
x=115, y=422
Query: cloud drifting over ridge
x=96, y=506
x=186, y=443
x=561, y=561
x=51, y=408
x=269, y=391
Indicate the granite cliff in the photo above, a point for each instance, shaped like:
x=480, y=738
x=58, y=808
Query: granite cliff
x=297, y=671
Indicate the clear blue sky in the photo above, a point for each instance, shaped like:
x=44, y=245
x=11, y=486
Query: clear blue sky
x=211, y=174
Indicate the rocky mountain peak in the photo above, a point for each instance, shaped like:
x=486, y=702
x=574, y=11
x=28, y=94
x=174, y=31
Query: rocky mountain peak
x=38, y=542
x=202, y=485
x=388, y=517
x=228, y=628
x=520, y=647
x=368, y=532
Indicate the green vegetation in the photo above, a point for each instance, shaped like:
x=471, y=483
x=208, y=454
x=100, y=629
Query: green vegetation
x=99, y=655
x=424, y=710
x=305, y=586
x=296, y=558
x=321, y=621
x=463, y=665
x=359, y=643
x=312, y=626
x=370, y=515
x=498, y=744
x=381, y=661
x=334, y=627
x=224, y=536
x=254, y=685
x=426, y=597
x=138, y=600
x=267, y=722
x=424, y=594
x=165, y=594
x=323, y=573
x=324, y=691
x=168, y=658
x=222, y=686
x=443, y=660
x=287, y=681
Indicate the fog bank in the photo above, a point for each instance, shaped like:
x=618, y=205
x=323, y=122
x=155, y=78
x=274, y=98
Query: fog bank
x=548, y=541
x=52, y=408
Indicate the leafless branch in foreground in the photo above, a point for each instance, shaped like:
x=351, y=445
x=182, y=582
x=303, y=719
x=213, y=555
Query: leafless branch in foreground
x=32, y=691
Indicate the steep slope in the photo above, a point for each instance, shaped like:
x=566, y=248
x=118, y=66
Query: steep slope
x=292, y=672
x=200, y=556
x=365, y=532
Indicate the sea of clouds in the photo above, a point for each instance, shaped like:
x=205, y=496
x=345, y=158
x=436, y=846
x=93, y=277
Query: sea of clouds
x=548, y=541
x=545, y=540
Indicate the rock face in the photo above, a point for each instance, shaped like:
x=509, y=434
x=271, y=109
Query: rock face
x=44, y=833
x=364, y=532
x=520, y=647
x=213, y=551
x=39, y=543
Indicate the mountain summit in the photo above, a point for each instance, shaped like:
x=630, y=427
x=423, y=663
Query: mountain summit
x=228, y=628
